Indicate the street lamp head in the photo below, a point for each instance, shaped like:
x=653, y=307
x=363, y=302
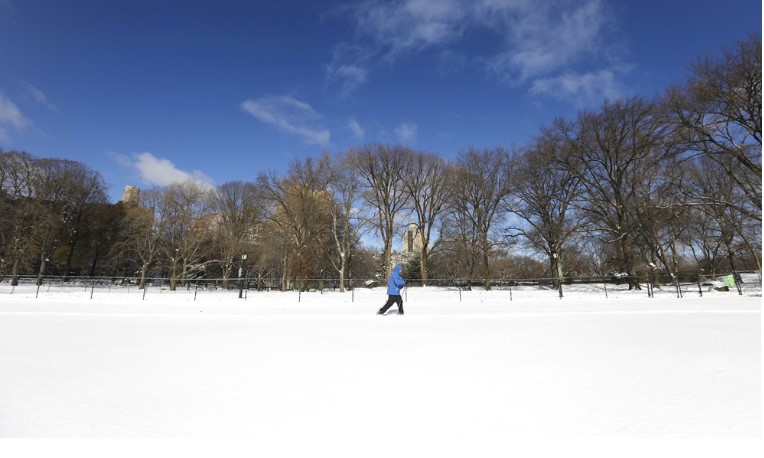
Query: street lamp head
x=244, y=257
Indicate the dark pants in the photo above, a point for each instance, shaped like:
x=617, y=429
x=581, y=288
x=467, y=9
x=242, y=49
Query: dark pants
x=393, y=300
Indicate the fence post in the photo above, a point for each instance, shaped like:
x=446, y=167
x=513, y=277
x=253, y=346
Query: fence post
x=700, y=290
x=92, y=288
x=604, y=283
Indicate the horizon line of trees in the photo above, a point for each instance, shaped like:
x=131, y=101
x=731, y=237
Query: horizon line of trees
x=637, y=186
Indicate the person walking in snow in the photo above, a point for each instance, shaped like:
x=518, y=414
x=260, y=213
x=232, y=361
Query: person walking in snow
x=394, y=285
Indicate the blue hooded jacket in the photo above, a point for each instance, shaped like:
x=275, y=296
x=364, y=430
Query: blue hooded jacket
x=395, y=283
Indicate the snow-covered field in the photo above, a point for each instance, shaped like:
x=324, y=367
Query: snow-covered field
x=463, y=374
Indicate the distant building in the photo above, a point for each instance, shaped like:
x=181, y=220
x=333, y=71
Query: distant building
x=131, y=195
x=412, y=241
x=411, y=246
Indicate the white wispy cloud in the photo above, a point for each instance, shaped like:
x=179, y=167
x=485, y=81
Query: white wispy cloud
x=11, y=118
x=537, y=39
x=389, y=29
x=356, y=129
x=157, y=171
x=406, y=132
x=547, y=37
x=39, y=96
x=291, y=116
x=581, y=89
x=406, y=25
x=349, y=68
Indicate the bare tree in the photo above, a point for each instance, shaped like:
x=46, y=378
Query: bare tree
x=611, y=152
x=183, y=228
x=70, y=189
x=459, y=254
x=300, y=205
x=379, y=168
x=25, y=218
x=426, y=178
x=235, y=214
x=346, y=222
x=660, y=212
x=6, y=209
x=140, y=234
x=703, y=239
x=543, y=197
x=720, y=113
x=480, y=185
x=727, y=218
x=49, y=194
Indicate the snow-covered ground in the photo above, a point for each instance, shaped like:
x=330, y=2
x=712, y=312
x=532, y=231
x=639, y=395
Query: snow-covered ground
x=463, y=374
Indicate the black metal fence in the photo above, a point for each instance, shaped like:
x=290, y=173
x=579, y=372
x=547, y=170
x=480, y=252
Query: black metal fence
x=680, y=285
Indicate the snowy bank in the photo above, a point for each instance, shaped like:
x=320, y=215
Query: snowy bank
x=462, y=371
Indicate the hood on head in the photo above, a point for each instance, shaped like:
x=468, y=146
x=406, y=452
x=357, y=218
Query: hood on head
x=398, y=268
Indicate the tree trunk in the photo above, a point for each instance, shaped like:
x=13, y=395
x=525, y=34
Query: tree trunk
x=554, y=269
x=388, y=254
x=15, y=272
x=423, y=265
x=69, y=256
x=485, y=263
x=42, y=269
x=142, y=281
x=628, y=259
x=174, y=275
x=96, y=255
x=285, y=276
x=754, y=253
x=227, y=275
x=342, y=269
x=733, y=267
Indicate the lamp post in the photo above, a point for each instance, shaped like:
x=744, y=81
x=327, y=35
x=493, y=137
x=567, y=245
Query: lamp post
x=241, y=271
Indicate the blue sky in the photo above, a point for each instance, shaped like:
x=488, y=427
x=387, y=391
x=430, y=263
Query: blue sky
x=147, y=92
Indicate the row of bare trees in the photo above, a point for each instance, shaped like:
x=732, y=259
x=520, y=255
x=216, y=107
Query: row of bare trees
x=651, y=181
x=637, y=186
x=50, y=209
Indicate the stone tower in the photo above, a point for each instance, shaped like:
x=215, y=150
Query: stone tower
x=412, y=243
x=130, y=196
